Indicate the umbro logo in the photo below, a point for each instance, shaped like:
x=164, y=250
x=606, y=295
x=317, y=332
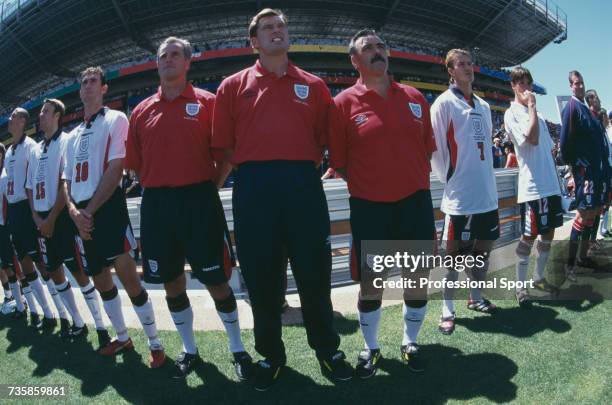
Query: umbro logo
x=360, y=119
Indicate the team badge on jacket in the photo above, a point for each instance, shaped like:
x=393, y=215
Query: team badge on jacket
x=416, y=109
x=301, y=90
x=192, y=109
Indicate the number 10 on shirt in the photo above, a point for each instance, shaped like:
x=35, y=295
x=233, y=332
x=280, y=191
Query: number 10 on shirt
x=82, y=171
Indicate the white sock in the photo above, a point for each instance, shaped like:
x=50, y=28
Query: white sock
x=39, y=293
x=603, y=224
x=67, y=296
x=57, y=300
x=448, y=308
x=232, y=328
x=183, y=320
x=112, y=308
x=523, y=251
x=91, y=299
x=368, y=321
x=542, y=253
x=522, y=266
x=16, y=290
x=29, y=296
x=413, y=320
x=147, y=320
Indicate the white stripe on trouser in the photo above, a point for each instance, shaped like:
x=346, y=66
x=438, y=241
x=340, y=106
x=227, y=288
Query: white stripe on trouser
x=527, y=219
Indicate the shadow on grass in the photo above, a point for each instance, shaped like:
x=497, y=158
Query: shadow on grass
x=450, y=375
x=517, y=322
x=292, y=317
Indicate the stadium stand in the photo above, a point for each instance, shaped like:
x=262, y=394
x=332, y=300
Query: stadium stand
x=42, y=58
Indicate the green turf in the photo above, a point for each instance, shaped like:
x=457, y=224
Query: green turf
x=556, y=352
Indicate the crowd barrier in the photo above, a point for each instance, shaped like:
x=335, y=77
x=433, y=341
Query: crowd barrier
x=337, y=199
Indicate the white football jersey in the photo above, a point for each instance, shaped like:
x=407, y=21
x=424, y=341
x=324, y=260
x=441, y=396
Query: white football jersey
x=45, y=171
x=3, y=183
x=463, y=159
x=91, y=146
x=17, y=161
x=537, y=170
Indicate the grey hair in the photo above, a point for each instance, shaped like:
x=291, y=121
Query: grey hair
x=175, y=40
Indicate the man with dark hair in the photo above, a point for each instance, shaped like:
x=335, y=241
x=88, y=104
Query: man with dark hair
x=20, y=222
x=181, y=213
x=7, y=253
x=538, y=187
x=594, y=103
x=271, y=121
x=581, y=146
x=56, y=230
x=379, y=126
x=96, y=204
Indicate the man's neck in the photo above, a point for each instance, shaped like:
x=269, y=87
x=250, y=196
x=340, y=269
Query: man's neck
x=277, y=64
x=16, y=138
x=90, y=109
x=172, y=89
x=466, y=89
x=380, y=84
x=517, y=100
x=49, y=134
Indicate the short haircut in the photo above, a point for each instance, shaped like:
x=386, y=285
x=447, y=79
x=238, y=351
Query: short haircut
x=22, y=113
x=453, y=54
x=589, y=96
x=366, y=32
x=572, y=74
x=519, y=73
x=266, y=12
x=187, y=50
x=95, y=70
x=58, y=107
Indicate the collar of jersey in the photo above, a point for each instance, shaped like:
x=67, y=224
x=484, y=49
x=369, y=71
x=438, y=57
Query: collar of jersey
x=457, y=92
x=53, y=138
x=90, y=121
x=187, y=93
x=15, y=145
x=361, y=89
x=518, y=105
x=260, y=71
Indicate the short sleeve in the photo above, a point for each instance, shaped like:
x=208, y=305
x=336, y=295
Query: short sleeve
x=223, y=125
x=337, y=142
x=133, y=157
x=118, y=135
x=68, y=159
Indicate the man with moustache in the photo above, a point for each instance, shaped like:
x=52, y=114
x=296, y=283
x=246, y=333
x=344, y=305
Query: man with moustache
x=377, y=127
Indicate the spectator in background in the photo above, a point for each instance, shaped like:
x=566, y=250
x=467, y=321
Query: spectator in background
x=497, y=153
x=130, y=184
x=510, y=156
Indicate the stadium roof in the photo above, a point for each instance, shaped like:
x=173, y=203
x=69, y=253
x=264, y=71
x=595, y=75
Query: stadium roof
x=47, y=41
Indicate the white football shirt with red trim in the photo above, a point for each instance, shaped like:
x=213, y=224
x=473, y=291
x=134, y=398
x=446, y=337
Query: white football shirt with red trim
x=463, y=159
x=92, y=146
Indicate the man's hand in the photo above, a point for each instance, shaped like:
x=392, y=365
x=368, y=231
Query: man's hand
x=83, y=221
x=529, y=96
x=37, y=220
x=46, y=227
